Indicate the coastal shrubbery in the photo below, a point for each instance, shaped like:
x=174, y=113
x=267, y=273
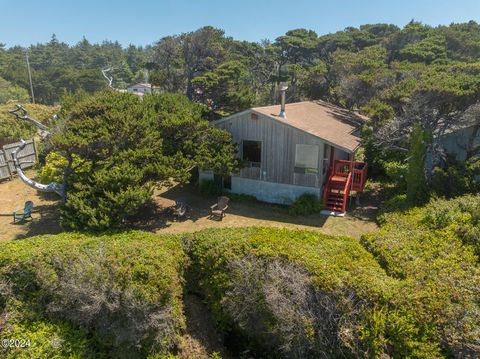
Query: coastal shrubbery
x=299, y=294
x=87, y=296
x=433, y=251
x=408, y=290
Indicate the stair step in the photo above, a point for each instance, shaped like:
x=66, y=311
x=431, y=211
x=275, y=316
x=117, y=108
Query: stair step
x=334, y=209
x=334, y=203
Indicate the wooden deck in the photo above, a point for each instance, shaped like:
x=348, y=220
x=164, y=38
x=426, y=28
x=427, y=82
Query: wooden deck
x=344, y=177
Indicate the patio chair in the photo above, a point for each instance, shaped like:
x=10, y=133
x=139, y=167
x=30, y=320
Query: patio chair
x=219, y=208
x=21, y=215
x=180, y=208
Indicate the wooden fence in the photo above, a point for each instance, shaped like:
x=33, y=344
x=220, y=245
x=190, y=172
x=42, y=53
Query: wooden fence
x=7, y=169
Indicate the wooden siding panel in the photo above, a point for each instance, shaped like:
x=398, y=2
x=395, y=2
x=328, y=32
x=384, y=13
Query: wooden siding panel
x=278, y=148
x=28, y=155
x=4, y=169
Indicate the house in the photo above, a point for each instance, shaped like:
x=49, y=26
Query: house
x=140, y=89
x=297, y=148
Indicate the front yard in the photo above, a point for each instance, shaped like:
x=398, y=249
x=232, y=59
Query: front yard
x=14, y=193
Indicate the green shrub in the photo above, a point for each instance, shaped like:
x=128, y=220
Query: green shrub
x=292, y=294
x=15, y=129
x=438, y=269
x=210, y=188
x=47, y=339
x=124, y=289
x=397, y=203
x=397, y=174
x=305, y=204
x=52, y=170
x=456, y=178
x=460, y=216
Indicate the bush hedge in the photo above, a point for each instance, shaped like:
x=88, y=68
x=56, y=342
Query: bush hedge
x=121, y=293
x=432, y=251
x=300, y=294
x=305, y=204
x=409, y=290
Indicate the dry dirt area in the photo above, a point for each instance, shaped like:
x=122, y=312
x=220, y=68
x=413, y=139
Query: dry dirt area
x=241, y=214
x=13, y=195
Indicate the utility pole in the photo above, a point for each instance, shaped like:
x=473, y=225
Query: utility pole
x=30, y=76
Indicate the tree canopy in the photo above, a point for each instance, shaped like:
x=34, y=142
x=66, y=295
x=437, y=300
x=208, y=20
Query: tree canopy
x=387, y=72
x=115, y=148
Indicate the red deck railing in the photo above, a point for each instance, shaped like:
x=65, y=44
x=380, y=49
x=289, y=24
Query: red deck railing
x=344, y=167
x=344, y=176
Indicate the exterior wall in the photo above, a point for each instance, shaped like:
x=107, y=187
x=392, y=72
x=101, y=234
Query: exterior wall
x=271, y=192
x=457, y=142
x=278, y=148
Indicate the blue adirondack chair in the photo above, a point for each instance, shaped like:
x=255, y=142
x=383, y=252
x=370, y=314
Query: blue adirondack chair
x=21, y=215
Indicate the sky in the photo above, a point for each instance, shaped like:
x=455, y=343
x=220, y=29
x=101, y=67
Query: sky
x=143, y=22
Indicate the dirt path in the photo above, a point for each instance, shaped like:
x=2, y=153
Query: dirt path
x=201, y=338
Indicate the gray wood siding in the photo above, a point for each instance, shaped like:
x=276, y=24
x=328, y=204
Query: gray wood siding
x=278, y=147
x=4, y=169
x=28, y=156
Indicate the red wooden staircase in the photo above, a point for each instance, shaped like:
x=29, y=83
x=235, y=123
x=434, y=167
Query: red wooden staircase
x=344, y=177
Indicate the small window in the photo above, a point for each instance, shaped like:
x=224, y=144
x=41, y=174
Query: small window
x=306, y=158
x=135, y=90
x=252, y=152
x=254, y=116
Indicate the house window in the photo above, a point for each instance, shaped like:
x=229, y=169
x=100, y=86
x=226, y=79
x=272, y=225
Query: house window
x=306, y=158
x=252, y=153
x=135, y=90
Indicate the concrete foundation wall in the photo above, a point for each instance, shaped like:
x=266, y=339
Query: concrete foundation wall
x=269, y=191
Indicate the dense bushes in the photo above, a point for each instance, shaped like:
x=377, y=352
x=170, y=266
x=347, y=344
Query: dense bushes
x=276, y=292
x=460, y=216
x=396, y=172
x=432, y=251
x=456, y=177
x=291, y=294
x=210, y=188
x=305, y=204
x=121, y=291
